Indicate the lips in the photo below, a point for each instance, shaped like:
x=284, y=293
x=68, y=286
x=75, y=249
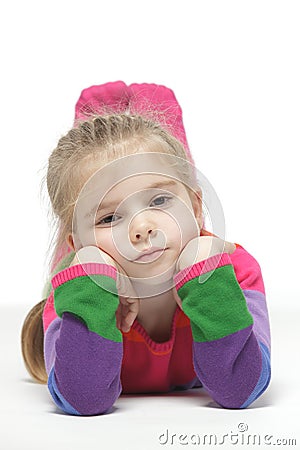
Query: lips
x=150, y=254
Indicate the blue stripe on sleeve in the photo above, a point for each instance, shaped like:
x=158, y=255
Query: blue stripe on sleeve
x=264, y=378
x=60, y=401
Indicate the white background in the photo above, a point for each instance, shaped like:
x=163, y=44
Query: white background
x=234, y=67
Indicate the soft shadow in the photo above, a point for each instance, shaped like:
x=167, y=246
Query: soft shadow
x=214, y=405
x=58, y=412
x=265, y=401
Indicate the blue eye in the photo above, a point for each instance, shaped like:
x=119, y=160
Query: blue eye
x=162, y=200
x=108, y=219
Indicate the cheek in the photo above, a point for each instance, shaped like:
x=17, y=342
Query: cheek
x=190, y=230
x=183, y=226
x=104, y=240
x=173, y=231
x=114, y=242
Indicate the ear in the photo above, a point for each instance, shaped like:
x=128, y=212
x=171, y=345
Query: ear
x=70, y=241
x=196, y=198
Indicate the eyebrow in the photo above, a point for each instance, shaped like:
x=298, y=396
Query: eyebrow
x=104, y=205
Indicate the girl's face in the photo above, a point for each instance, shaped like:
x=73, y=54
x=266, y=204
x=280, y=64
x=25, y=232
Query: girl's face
x=139, y=214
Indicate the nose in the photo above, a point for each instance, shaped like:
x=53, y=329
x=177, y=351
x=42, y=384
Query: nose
x=142, y=227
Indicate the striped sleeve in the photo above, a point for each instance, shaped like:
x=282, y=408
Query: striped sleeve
x=82, y=346
x=224, y=298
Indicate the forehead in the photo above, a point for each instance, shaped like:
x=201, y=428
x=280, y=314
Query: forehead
x=125, y=176
x=141, y=182
x=133, y=169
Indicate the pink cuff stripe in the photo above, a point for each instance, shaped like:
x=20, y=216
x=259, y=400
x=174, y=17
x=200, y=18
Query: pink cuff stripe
x=80, y=270
x=200, y=268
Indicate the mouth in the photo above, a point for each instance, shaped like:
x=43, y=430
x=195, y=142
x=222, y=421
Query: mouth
x=150, y=254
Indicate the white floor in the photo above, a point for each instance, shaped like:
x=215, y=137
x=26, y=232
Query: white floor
x=30, y=420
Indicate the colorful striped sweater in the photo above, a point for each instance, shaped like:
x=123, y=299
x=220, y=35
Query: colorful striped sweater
x=220, y=340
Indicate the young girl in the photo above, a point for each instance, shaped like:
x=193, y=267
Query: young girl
x=142, y=298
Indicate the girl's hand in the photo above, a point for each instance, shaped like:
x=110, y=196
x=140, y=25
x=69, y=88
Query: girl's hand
x=90, y=254
x=128, y=307
x=201, y=248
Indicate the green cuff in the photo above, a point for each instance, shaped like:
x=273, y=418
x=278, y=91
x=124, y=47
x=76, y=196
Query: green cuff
x=216, y=307
x=86, y=298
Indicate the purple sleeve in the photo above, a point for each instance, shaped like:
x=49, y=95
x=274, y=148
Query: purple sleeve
x=83, y=348
x=230, y=327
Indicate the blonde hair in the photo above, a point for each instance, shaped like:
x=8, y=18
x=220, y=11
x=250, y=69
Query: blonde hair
x=100, y=139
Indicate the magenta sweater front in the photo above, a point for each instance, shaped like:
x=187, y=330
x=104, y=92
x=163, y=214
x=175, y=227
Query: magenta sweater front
x=220, y=340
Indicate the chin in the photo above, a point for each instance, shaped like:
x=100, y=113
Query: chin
x=154, y=273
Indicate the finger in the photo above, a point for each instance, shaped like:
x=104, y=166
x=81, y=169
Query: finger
x=92, y=254
x=128, y=313
x=128, y=321
x=124, y=285
x=177, y=298
x=121, y=317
